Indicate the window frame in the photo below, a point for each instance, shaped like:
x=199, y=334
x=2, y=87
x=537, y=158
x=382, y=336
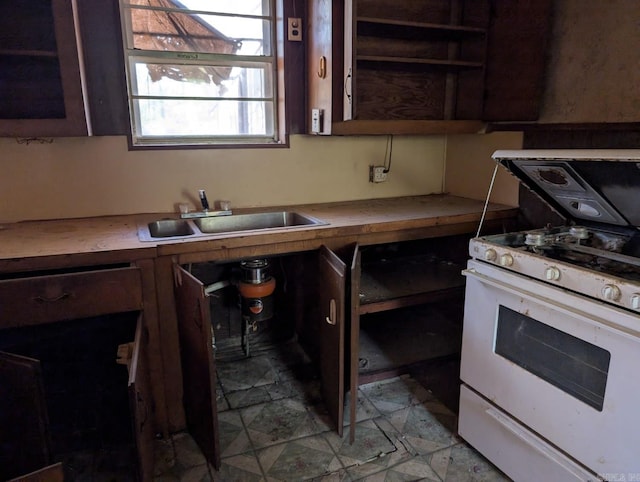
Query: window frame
x=277, y=78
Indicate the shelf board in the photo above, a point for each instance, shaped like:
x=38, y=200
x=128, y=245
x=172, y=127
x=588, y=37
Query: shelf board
x=28, y=53
x=395, y=283
x=422, y=62
x=408, y=29
x=406, y=127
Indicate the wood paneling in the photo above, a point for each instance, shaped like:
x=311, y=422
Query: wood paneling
x=30, y=301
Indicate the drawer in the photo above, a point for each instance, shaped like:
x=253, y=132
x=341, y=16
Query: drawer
x=44, y=299
x=518, y=452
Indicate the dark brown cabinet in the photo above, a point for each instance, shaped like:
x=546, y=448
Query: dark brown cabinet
x=87, y=329
x=332, y=297
x=322, y=315
x=61, y=71
x=41, y=90
x=437, y=66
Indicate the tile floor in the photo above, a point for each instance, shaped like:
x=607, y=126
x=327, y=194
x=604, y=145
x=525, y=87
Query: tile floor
x=273, y=427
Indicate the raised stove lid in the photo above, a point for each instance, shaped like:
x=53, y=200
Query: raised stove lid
x=586, y=186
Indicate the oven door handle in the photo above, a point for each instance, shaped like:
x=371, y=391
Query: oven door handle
x=550, y=303
x=532, y=441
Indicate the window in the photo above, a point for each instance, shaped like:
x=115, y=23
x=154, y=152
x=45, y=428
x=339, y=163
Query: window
x=202, y=72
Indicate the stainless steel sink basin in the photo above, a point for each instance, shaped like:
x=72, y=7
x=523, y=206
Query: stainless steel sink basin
x=168, y=228
x=177, y=229
x=255, y=221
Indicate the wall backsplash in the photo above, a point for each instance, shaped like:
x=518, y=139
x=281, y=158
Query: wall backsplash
x=96, y=176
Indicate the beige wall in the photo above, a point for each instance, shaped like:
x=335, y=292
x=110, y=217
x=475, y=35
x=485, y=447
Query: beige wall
x=78, y=177
x=469, y=166
x=95, y=176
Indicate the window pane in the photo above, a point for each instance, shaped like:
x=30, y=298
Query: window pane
x=189, y=118
x=172, y=80
x=569, y=363
x=241, y=7
x=201, y=71
x=182, y=32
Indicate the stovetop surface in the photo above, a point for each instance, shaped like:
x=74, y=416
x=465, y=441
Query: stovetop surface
x=613, y=253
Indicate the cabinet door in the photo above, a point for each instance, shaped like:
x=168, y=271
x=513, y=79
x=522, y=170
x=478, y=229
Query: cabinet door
x=198, y=364
x=332, y=272
x=140, y=400
x=353, y=293
x=325, y=62
x=338, y=295
x=24, y=432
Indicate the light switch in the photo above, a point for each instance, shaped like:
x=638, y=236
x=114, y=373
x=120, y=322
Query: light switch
x=316, y=120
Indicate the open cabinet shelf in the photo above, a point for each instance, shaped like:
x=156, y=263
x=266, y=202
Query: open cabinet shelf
x=376, y=64
x=410, y=302
x=403, y=62
x=396, y=283
x=383, y=27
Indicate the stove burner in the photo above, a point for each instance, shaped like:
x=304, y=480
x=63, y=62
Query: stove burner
x=579, y=232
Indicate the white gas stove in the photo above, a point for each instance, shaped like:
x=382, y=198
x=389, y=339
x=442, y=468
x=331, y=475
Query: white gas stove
x=551, y=332
x=598, y=263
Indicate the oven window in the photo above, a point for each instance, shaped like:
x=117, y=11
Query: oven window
x=569, y=363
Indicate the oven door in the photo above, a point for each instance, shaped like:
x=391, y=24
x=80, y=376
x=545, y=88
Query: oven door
x=559, y=363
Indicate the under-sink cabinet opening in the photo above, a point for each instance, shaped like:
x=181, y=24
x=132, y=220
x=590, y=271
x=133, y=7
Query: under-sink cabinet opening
x=326, y=319
x=238, y=309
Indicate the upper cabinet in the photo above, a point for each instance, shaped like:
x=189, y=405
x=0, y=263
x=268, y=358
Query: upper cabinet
x=48, y=86
x=40, y=88
x=435, y=66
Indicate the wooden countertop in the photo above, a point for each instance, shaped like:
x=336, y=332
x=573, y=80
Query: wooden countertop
x=114, y=239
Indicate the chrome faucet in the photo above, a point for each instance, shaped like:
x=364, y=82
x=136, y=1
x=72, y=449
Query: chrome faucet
x=205, y=209
x=203, y=200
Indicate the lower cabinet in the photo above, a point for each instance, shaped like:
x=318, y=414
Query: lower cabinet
x=74, y=374
x=410, y=305
x=311, y=300
x=336, y=303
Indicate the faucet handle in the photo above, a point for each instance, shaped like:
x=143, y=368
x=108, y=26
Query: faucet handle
x=203, y=200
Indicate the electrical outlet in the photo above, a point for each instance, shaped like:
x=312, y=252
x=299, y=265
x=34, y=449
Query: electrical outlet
x=377, y=174
x=294, y=29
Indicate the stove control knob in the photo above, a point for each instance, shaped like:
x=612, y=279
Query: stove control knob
x=506, y=260
x=552, y=273
x=490, y=254
x=635, y=301
x=611, y=293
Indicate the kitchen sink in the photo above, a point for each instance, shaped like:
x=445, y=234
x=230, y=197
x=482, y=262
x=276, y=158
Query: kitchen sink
x=168, y=228
x=175, y=229
x=250, y=222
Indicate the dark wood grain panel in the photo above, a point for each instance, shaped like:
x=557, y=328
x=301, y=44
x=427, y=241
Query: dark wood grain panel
x=518, y=37
x=437, y=11
x=30, y=301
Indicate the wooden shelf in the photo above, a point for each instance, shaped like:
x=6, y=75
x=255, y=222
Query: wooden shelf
x=29, y=53
x=406, y=127
x=408, y=29
x=425, y=63
x=400, y=282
